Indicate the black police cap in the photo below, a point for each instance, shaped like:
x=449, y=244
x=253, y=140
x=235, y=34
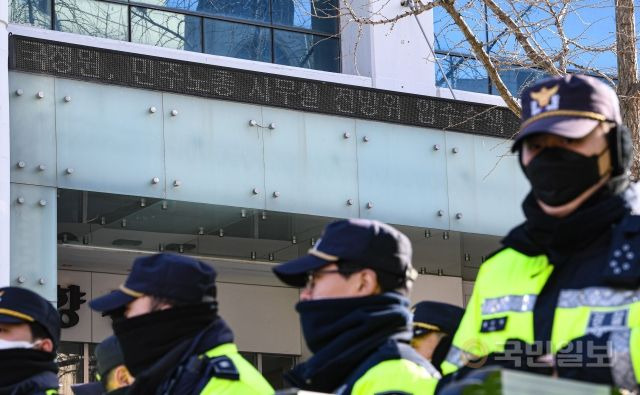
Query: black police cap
x=108, y=355
x=436, y=316
x=20, y=305
x=371, y=244
x=170, y=276
x=570, y=106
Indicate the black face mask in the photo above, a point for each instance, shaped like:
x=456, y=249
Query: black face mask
x=558, y=175
x=145, y=339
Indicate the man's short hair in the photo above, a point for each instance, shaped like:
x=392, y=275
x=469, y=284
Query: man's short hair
x=388, y=282
x=38, y=332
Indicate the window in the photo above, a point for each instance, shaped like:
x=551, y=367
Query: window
x=74, y=362
x=166, y=29
x=305, y=50
x=300, y=33
x=237, y=40
x=92, y=18
x=31, y=12
x=272, y=366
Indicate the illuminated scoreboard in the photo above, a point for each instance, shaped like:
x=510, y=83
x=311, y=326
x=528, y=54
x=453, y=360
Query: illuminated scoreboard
x=168, y=75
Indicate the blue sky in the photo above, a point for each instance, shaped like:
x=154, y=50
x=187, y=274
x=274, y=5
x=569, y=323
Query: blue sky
x=591, y=23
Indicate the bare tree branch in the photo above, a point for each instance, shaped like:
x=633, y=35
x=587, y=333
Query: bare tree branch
x=483, y=57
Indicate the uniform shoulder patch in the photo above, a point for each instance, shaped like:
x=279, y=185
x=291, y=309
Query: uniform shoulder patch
x=223, y=367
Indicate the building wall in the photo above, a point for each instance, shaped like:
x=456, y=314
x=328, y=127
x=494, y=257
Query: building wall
x=104, y=138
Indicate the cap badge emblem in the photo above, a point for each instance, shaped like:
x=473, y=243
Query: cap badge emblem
x=543, y=96
x=545, y=99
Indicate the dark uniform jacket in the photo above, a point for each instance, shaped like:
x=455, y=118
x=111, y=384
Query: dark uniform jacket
x=45, y=383
x=196, y=367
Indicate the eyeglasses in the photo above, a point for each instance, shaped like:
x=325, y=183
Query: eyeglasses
x=314, y=275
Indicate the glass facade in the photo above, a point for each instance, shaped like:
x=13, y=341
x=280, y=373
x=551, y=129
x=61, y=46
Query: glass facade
x=305, y=50
x=31, y=12
x=301, y=33
x=92, y=18
x=463, y=72
x=166, y=29
x=237, y=40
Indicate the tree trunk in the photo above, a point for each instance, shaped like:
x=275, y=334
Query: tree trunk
x=628, y=86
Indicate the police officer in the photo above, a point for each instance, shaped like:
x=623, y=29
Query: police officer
x=113, y=375
x=561, y=297
x=112, y=372
x=355, y=314
x=173, y=341
x=434, y=324
x=29, y=335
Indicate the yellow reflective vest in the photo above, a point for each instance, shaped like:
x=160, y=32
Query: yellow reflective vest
x=395, y=376
x=501, y=308
x=250, y=382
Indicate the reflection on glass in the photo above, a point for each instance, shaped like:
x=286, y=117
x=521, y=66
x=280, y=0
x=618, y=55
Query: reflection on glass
x=517, y=78
x=31, y=12
x=466, y=74
x=254, y=10
x=92, y=18
x=165, y=29
x=274, y=367
x=318, y=15
x=237, y=40
x=306, y=50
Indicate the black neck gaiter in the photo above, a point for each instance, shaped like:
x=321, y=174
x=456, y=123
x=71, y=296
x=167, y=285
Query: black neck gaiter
x=342, y=333
x=18, y=364
x=577, y=230
x=145, y=339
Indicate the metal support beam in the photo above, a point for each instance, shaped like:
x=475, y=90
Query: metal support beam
x=5, y=224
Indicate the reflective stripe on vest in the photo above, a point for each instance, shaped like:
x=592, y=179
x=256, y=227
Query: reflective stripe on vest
x=621, y=364
x=503, y=304
x=458, y=357
x=597, y=297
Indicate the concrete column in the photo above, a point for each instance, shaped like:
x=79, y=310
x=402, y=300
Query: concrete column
x=396, y=57
x=401, y=57
x=5, y=224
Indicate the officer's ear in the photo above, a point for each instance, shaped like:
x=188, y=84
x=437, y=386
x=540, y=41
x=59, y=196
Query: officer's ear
x=123, y=377
x=368, y=283
x=45, y=345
